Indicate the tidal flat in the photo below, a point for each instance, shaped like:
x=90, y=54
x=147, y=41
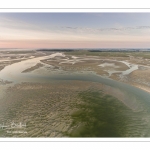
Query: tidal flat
x=74, y=94
x=68, y=109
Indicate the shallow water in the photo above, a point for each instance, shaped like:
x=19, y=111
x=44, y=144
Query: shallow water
x=109, y=65
x=135, y=99
x=14, y=73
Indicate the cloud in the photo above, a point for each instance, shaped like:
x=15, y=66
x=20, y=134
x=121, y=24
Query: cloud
x=17, y=25
x=143, y=27
x=85, y=29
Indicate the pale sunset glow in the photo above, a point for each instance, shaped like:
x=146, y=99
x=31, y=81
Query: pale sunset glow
x=74, y=30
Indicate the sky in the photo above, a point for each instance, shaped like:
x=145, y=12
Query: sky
x=74, y=30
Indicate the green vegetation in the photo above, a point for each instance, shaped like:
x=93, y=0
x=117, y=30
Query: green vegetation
x=104, y=54
x=145, y=55
x=99, y=116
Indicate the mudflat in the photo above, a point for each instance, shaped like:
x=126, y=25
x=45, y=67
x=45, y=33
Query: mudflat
x=56, y=107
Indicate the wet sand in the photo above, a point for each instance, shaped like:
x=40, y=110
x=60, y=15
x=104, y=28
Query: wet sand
x=53, y=109
x=140, y=79
x=37, y=66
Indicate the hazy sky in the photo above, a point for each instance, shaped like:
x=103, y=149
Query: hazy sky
x=74, y=30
